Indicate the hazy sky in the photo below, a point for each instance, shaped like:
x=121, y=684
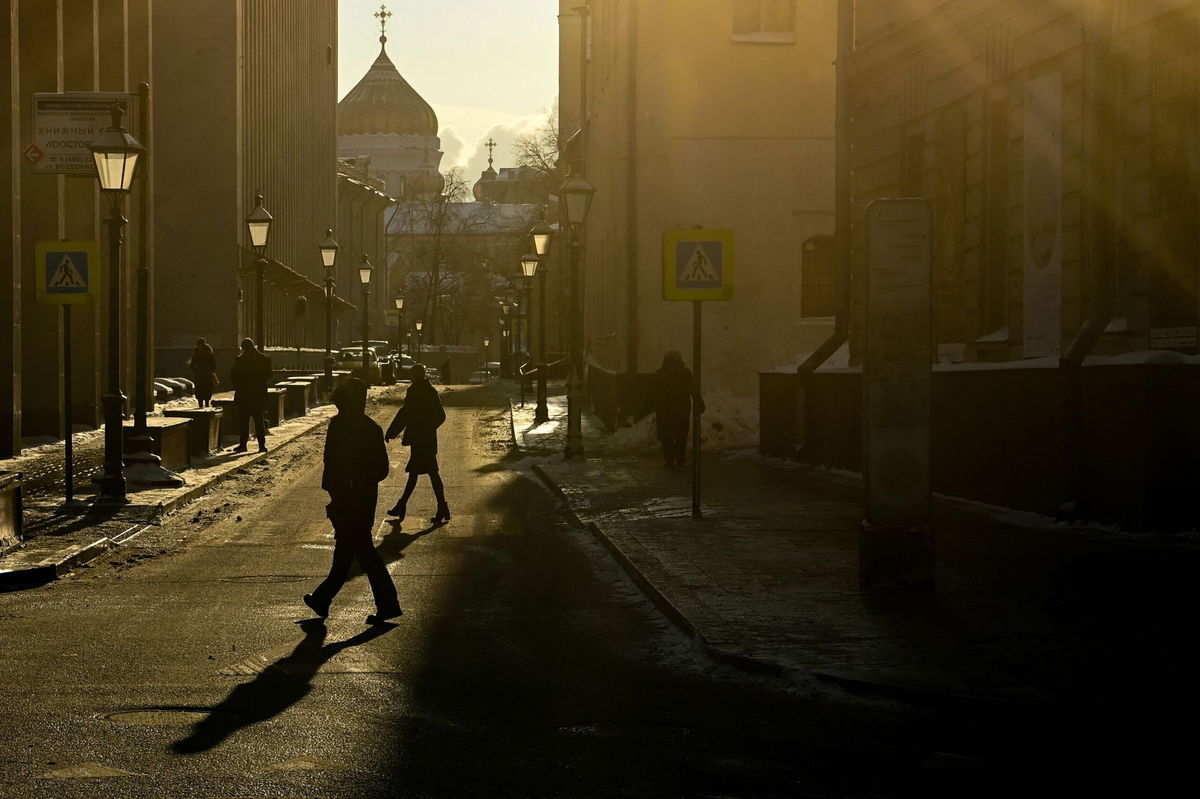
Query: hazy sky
x=488, y=67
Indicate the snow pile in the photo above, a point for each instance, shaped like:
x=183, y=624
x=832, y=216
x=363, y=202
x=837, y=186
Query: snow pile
x=729, y=422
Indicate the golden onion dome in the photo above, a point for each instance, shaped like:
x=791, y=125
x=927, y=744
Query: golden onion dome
x=384, y=102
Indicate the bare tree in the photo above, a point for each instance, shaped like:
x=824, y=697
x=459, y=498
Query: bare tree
x=539, y=150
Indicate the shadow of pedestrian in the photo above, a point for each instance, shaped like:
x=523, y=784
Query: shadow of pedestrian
x=276, y=688
x=392, y=545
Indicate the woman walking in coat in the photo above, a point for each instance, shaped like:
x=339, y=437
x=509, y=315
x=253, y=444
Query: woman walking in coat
x=419, y=418
x=204, y=372
x=673, y=391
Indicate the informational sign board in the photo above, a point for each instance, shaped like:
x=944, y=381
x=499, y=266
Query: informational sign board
x=698, y=265
x=66, y=272
x=392, y=319
x=65, y=124
x=898, y=362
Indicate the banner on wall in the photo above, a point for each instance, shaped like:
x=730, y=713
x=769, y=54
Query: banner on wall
x=1043, y=216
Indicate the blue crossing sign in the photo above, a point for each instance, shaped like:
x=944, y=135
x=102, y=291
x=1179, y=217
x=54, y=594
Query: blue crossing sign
x=698, y=265
x=66, y=272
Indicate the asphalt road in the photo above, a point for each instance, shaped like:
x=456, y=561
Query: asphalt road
x=525, y=664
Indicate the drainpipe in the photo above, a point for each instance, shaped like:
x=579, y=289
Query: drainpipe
x=841, y=191
x=1100, y=226
x=632, y=333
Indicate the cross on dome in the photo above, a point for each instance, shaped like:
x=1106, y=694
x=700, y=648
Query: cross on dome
x=382, y=15
x=491, y=145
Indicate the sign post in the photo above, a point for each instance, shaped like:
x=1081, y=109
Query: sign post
x=67, y=273
x=896, y=539
x=698, y=268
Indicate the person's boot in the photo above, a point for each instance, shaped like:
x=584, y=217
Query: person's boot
x=442, y=515
x=398, y=509
x=385, y=613
x=316, y=606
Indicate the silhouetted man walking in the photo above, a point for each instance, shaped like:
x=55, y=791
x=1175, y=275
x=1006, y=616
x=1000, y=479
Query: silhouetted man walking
x=251, y=376
x=355, y=462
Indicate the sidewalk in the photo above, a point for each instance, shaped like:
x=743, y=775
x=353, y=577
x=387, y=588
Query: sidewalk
x=1026, y=614
x=55, y=544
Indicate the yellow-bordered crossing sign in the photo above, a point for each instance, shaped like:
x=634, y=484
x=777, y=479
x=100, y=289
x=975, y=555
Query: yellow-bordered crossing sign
x=698, y=265
x=66, y=272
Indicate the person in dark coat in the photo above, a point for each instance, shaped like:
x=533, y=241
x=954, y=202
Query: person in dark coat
x=251, y=377
x=418, y=419
x=673, y=390
x=444, y=371
x=356, y=460
x=204, y=372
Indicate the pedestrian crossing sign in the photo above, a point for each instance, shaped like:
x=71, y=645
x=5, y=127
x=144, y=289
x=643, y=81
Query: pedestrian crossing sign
x=698, y=265
x=67, y=272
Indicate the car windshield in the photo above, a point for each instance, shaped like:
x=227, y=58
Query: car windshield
x=355, y=355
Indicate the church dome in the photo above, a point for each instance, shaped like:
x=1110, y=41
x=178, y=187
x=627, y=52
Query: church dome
x=383, y=102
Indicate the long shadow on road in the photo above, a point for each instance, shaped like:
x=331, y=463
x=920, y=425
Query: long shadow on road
x=277, y=687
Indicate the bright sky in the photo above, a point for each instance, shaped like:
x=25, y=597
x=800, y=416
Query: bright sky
x=488, y=67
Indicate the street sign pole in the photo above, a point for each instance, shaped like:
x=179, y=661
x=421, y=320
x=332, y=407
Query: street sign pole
x=697, y=314
x=69, y=504
x=697, y=267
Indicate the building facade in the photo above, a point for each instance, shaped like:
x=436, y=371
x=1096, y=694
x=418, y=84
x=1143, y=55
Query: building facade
x=1059, y=147
x=247, y=107
x=668, y=110
x=62, y=46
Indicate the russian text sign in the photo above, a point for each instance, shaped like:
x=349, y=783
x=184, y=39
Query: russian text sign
x=65, y=124
x=698, y=265
x=66, y=272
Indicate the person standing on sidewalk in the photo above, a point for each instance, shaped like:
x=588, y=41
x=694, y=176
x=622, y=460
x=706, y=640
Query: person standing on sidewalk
x=419, y=418
x=672, y=398
x=251, y=376
x=204, y=372
x=356, y=460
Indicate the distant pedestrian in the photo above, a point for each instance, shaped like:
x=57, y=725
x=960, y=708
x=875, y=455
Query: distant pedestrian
x=251, y=377
x=673, y=391
x=356, y=460
x=418, y=419
x=204, y=372
x=444, y=371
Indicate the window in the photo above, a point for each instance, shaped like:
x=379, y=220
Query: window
x=764, y=21
x=818, y=282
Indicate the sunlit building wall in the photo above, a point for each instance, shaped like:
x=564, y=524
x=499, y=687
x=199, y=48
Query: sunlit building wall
x=246, y=102
x=1018, y=121
x=700, y=113
x=57, y=46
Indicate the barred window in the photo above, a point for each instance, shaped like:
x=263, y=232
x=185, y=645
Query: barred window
x=818, y=279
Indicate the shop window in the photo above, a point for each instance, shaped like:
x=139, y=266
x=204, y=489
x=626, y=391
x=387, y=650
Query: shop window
x=770, y=21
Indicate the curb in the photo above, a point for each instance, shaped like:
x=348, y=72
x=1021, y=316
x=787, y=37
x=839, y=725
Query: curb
x=53, y=568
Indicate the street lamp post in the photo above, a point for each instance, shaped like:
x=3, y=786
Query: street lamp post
x=541, y=233
x=259, y=224
x=364, y=276
x=116, y=154
x=486, y=343
x=418, y=324
x=529, y=268
x=329, y=251
x=506, y=355
x=399, y=302
x=576, y=194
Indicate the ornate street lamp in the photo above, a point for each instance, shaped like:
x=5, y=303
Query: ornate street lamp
x=365, y=271
x=541, y=233
x=418, y=324
x=528, y=270
x=531, y=266
x=258, y=223
x=329, y=251
x=116, y=155
x=576, y=197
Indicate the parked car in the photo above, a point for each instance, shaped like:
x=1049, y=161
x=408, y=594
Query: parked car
x=403, y=366
x=383, y=351
x=351, y=358
x=432, y=374
x=479, y=377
